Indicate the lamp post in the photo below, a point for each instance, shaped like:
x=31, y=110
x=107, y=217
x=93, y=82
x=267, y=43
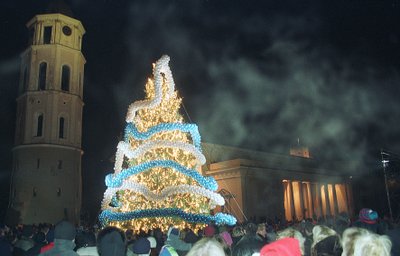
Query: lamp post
x=385, y=162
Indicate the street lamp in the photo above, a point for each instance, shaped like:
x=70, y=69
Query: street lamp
x=385, y=163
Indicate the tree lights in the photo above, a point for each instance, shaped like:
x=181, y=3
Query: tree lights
x=156, y=181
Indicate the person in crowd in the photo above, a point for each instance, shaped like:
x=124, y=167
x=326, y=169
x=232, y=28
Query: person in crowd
x=140, y=247
x=174, y=241
x=287, y=246
x=237, y=234
x=209, y=231
x=325, y=242
x=159, y=236
x=207, y=246
x=40, y=241
x=5, y=245
x=191, y=237
x=168, y=250
x=111, y=242
x=262, y=232
x=362, y=242
x=394, y=235
x=64, y=240
x=26, y=242
x=293, y=233
x=367, y=219
x=88, y=247
x=249, y=243
x=153, y=246
x=49, y=241
x=226, y=241
x=342, y=222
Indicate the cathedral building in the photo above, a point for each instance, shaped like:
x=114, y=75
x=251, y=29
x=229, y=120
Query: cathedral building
x=258, y=186
x=46, y=176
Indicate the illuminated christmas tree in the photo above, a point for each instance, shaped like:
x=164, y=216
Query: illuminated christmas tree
x=157, y=181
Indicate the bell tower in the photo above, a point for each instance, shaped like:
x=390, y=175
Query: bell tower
x=46, y=179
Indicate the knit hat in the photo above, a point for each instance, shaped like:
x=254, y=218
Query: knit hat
x=368, y=216
x=283, y=247
x=209, y=231
x=64, y=230
x=112, y=244
x=227, y=237
x=141, y=247
x=153, y=242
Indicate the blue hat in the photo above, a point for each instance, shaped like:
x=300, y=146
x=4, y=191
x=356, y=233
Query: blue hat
x=141, y=246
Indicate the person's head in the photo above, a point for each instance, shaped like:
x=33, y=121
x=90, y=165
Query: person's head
x=325, y=241
x=237, y=231
x=141, y=247
x=39, y=238
x=368, y=216
x=209, y=231
x=372, y=245
x=262, y=230
x=251, y=228
x=293, y=233
x=64, y=230
x=111, y=242
x=287, y=246
x=27, y=231
x=206, y=247
x=349, y=238
x=172, y=231
x=320, y=232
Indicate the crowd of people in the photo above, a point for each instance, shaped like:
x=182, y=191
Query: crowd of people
x=368, y=235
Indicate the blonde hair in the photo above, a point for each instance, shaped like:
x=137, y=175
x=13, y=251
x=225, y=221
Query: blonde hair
x=361, y=242
x=320, y=232
x=291, y=232
x=206, y=247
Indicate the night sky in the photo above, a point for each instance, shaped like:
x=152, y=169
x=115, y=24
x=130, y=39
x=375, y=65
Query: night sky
x=253, y=74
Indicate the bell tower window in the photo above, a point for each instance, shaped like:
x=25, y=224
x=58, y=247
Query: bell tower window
x=39, y=129
x=47, y=35
x=61, y=128
x=65, y=77
x=42, y=76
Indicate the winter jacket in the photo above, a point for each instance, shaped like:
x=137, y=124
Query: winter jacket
x=61, y=248
x=177, y=243
x=88, y=251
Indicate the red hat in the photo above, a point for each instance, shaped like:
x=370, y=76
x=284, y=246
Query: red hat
x=282, y=247
x=209, y=231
